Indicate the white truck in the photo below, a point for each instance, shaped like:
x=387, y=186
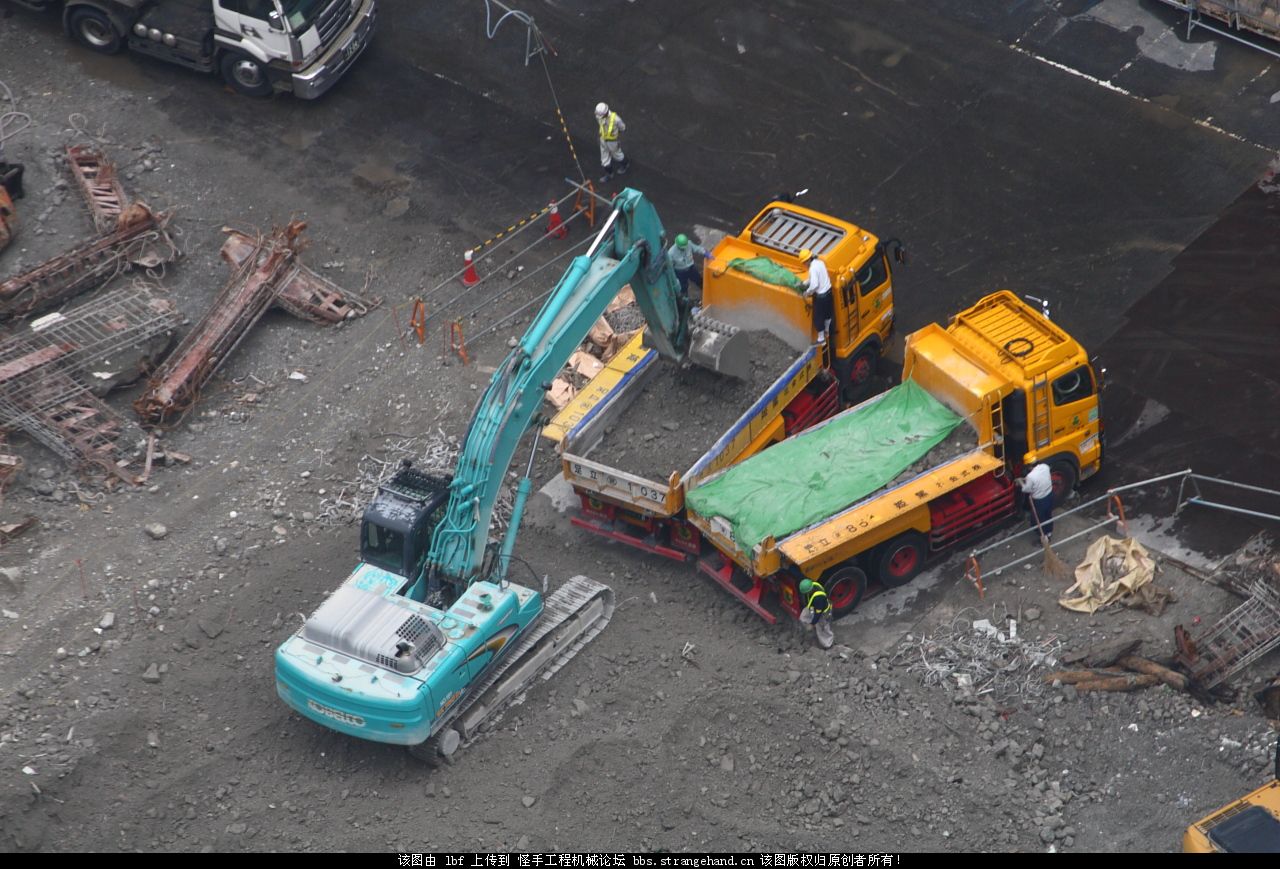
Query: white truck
x=259, y=46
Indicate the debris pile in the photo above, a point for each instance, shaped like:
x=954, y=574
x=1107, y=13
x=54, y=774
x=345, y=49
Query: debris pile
x=436, y=453
x=266, y=272
x=130, y=234
x=976, y=657
x=1116, y=571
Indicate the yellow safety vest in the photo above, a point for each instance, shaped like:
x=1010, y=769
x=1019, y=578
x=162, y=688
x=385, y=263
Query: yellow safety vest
x=813, y=596
x=609, y=127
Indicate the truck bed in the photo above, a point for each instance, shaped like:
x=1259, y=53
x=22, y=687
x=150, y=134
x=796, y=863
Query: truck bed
x=656, y=425
x=815, y=513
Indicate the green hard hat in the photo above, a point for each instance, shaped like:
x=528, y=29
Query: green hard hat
x=806, y=586
x=682, y=240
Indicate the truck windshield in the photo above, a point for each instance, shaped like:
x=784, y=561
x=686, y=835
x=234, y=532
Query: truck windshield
x=383, y=548
x=302, y=13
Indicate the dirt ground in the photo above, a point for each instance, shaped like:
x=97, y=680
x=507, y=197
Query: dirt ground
x=137, y=700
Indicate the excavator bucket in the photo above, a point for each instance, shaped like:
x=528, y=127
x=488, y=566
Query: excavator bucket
x=720, y=347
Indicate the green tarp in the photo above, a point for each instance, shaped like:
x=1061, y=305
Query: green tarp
x=818, y=473
x=764, y=269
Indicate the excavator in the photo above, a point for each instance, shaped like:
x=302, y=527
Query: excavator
x=428, y=637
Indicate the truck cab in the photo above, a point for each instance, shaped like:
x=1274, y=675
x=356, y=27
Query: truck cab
x=1047, y=407
x=756, y=276
x=259, y=46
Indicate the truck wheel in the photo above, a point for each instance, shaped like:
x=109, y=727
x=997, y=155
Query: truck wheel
x=862, y=368
x=94, y=30
x=1064, y=481
x=245, y=75
x=901, y=559
x=845, y=587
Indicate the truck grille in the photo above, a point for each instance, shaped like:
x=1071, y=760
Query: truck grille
x=333, y=19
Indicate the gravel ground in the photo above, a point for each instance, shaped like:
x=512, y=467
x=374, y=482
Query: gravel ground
x=136, y=628
x=679, y=413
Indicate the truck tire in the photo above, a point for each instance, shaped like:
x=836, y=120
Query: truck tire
x=93, y=29
x=1064, y=476
x=845, y=586
x=245, y=75
x=900, y=560
x=859, y=373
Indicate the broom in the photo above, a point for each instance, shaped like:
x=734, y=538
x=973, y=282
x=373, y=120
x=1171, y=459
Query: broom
x=1054, y=566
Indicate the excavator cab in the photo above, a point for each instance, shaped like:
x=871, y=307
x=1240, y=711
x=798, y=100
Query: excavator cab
x=395, y=532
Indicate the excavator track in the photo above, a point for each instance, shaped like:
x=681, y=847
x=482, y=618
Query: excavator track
x=571, y=617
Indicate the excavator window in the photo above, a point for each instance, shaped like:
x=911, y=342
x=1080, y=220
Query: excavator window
x=873, y=274
x=383, y=547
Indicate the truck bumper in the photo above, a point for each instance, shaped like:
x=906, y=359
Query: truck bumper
x=334, y=63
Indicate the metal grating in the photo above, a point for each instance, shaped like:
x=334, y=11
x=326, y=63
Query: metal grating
x=789, y=232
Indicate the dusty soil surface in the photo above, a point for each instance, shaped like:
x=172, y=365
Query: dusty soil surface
x=137, y=700
x=680, y=412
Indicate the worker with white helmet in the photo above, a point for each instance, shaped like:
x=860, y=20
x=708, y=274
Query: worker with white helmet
x=611, y=128
x=817, y=286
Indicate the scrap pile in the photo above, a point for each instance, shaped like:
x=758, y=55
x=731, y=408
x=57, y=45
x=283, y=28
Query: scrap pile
x=975, y=657
x=129, y=234
x=621, y=320
x=1116, y=666
x=1116, y=571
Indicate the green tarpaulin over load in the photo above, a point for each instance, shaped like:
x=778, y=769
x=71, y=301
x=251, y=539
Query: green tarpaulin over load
x=818, y=473
x=764, y=269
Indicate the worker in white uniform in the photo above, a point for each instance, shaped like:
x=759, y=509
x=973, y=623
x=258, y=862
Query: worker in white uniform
x=611, y=128
x=818, y=288
x=1038, y=484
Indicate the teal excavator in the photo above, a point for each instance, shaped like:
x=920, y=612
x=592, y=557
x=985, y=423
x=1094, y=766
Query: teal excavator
x=427, y=637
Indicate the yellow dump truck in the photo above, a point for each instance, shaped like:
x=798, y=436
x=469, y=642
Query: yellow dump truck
x=751, y=283
x=867, y=497
x=1250, y=825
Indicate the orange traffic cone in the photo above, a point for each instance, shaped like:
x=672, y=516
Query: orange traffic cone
x=469, y=277
x=555, y=226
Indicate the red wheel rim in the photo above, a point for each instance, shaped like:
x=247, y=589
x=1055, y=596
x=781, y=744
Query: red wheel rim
x=861, y=370
x=1059, y=486
x=843, y=593
x=903, y=561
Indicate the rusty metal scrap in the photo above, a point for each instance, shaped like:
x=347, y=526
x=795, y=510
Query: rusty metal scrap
x=8, y=219
x=44, y=375
x=139, y=239
x=266, y=272
x=96, y=176
x=238, y=306
x=302, y=292
x=1239, y=638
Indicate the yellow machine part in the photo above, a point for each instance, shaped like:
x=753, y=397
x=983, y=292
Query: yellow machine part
x=8, y=219
x=1197, y=840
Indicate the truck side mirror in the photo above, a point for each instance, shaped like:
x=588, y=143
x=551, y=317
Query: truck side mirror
x=275, y=21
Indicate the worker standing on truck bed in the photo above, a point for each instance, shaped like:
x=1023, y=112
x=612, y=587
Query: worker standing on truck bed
x=1038, y=484
x=818, y=288
x=681, y=255
x=611, y=128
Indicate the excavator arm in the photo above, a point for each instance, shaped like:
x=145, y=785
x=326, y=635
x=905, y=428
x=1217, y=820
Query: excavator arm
x=630, y=249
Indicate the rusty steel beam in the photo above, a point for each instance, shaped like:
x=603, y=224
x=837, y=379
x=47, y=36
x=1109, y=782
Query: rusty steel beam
x=302, y=292
x=98, y=181
x=253, y=288
x=87, y=265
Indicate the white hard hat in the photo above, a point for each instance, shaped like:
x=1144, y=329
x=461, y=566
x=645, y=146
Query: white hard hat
x=602, y=109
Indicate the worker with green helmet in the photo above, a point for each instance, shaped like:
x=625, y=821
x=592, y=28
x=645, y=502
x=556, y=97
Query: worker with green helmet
x=817, y=611
x=681, y=255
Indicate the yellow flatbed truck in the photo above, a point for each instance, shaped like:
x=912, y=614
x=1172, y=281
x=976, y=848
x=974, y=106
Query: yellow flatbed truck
x=751, y=282
x=860, y=499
